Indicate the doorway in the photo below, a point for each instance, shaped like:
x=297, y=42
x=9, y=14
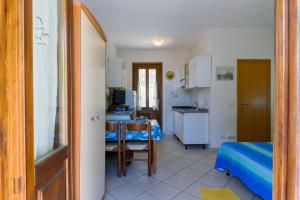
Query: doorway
x=253, y=100
x=147, y=81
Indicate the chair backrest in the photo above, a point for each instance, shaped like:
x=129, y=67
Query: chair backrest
x=110, y=126
x=136, y=126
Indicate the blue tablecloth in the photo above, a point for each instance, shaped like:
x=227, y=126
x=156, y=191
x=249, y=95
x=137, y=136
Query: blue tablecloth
x=156, y=133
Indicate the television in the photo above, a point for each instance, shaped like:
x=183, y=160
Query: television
x=119, y=96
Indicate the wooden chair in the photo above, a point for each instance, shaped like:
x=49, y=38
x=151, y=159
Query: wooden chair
x=115, y=146
x=137, y=145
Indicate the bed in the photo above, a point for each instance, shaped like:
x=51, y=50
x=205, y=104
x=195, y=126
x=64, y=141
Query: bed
x=251, y=162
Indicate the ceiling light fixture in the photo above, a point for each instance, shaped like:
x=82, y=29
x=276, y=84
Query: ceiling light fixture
x=158, y=41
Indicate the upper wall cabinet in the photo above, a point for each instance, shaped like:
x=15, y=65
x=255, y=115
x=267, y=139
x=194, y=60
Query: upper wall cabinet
x=198, y=73
x=116, y=73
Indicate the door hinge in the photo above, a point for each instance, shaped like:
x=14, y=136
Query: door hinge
x=18, y=185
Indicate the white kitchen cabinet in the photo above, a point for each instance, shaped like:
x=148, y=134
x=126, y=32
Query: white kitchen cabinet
x=191, y=128
x=116, y=73
x=199, y=72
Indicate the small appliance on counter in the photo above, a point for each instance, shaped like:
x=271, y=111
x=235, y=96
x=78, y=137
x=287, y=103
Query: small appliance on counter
x=121, y=99
x=121, y=105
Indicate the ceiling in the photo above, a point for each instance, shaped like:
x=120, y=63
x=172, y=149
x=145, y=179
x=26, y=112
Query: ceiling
x=132, y=24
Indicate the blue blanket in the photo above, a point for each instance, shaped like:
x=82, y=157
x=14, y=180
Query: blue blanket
x=251, y=162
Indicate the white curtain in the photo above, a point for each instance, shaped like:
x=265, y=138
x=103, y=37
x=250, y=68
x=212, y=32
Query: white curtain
x=155, y=99
x=45, y=65
x=139, y=97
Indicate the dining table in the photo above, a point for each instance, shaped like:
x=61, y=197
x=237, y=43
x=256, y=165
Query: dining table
x=156, y=135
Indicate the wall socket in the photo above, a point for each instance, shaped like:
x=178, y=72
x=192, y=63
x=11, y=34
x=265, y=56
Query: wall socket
x=228, y=137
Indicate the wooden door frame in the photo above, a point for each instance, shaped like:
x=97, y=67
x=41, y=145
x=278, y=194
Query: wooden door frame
x=12, y=99
x=19, y=25
x=268, y=95
x=160, y=91
x=12, y=90
x=2, y=98
x=287, y=100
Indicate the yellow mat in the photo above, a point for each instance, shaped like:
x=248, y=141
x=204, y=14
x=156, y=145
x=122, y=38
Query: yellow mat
x=217, y=194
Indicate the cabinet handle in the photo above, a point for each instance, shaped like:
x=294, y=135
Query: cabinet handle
x=99, y=117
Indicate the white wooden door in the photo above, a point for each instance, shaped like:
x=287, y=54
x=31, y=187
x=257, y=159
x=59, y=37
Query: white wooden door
x=92, y=152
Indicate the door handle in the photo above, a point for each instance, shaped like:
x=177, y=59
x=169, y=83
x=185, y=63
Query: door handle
x=245, y=104
x=96, y=118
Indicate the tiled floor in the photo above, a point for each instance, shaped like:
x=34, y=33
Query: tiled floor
x=180, y=173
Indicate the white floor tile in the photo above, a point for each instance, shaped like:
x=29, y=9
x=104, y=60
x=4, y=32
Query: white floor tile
x=192, y=173
x=145, y=182
x=183, y=161
x=108, y=197
x=164, y=191
x=174, y=168
x=112, y=182
x=193, y=189
x=202, y=166
x=143, y=168
x=181, y=172
x=132, y=174
x=125, y=192
x=213, y=181
x=240, y=189
x=179, y=182
x=145, y=196
x=162, y=174
x=186, y=196
x=196, y=156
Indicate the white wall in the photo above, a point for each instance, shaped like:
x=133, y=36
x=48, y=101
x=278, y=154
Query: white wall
x=172, y=94
x=111, y=50
x=226, y=46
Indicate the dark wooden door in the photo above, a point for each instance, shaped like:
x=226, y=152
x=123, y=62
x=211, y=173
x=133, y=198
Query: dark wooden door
x=147, y=81
x=47, y=99
x=253, y=83
x=51, y=176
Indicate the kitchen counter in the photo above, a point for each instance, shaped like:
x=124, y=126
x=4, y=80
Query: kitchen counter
x=188, y=109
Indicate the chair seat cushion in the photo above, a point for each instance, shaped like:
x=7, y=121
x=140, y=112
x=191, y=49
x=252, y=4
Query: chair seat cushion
x=111, y=147
x=137, y=146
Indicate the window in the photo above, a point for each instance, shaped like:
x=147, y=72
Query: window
x=49, y=76
x=147, y=82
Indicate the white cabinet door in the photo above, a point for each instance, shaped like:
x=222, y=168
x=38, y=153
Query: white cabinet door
x=195, y=128
x=178, y=124
x=199, y=74
x=92, y=138
x=193, y=73
x=181, y=125
x=203, y=71
x=176, y=119
x=174, y=122
x=116, y=73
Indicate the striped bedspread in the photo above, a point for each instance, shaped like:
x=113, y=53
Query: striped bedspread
x=251, y=162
